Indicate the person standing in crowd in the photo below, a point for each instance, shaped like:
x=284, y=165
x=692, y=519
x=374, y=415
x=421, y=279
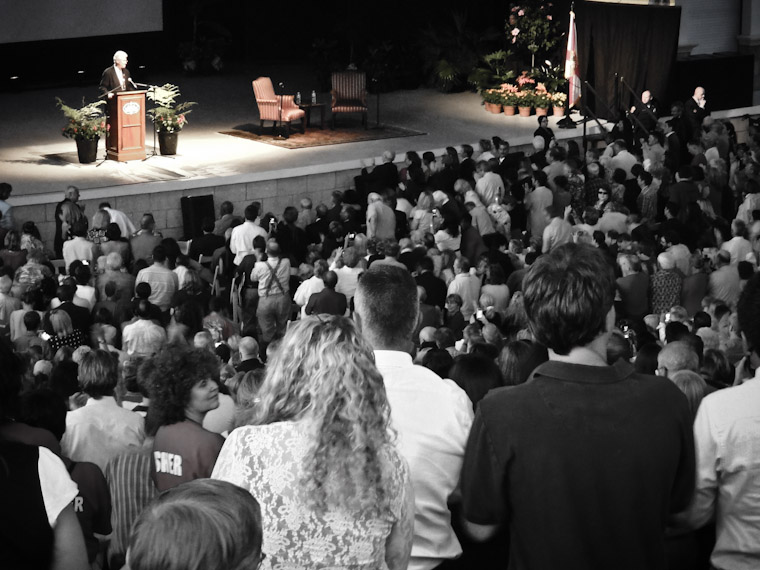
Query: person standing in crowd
x=183, y=388
x=694, y=113
x=67, y=212
x=727, y=440
x=431, y=416
x=273, y=277
x=101, y=429
x=324, y=504
x=559, y=443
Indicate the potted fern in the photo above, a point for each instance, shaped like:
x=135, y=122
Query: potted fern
x=168, y=116
x=86, y=124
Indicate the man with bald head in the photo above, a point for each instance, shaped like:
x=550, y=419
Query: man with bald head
x=381, y=221
x=665, y=284
x=675, y=356
x=695, y=111
x=249, y=355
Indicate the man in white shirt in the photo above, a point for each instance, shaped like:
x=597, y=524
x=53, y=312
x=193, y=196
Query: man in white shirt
x=727, y=442
x=241, y=240
x=162, y=280
x=101, y=429
x=617, y=156
x=490, y=187
x=431, y=416
x=466, y=286
x=120, y=219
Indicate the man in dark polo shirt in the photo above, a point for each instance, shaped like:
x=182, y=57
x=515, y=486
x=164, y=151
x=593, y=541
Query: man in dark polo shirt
x=585, y=461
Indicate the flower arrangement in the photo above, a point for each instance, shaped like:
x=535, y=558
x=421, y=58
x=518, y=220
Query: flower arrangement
x=88, y=122
x=559, y=99
x=525, y=98
x=168, y=116
x=494, y=96
x=541, y=97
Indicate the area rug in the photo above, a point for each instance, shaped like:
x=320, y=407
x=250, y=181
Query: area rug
x=317, y=137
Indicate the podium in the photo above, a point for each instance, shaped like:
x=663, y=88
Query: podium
x=126, y=117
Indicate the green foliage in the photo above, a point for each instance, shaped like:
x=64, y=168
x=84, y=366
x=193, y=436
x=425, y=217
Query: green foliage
x=168, y=115
x=532, y=32
x=452, y=51
x=86, y=122
x=495, y=72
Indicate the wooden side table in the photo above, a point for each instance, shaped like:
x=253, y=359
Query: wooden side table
x=308, y=108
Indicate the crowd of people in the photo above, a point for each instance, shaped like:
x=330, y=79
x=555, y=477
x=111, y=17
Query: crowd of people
x=479, y=359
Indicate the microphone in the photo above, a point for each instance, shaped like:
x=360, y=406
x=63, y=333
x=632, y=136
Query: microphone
x=132, y=82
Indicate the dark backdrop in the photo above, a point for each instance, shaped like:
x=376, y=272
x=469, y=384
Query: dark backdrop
x=639, y=43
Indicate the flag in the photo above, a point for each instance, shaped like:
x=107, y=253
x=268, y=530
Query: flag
x=571, y=64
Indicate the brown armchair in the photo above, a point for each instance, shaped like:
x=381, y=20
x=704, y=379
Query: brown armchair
x=269, y=105
x=349, y=94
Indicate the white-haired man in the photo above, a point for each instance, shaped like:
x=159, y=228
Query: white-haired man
x=117, y=77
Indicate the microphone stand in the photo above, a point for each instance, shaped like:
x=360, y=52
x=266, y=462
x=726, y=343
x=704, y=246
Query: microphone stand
x=279, y=135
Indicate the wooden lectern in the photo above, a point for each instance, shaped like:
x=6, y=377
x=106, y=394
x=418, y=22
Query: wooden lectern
x=126, y=117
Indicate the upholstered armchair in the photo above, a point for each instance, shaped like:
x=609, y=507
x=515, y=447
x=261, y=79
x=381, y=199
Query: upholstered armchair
x=349, y=94
x=269, y=105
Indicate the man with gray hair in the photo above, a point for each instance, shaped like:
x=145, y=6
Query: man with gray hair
x=665, y=284
x=381, y=221
x=675, y=356
x=124, y=281
x=117, y=77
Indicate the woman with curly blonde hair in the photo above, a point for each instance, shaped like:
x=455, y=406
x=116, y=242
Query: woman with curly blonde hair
x=319, y=457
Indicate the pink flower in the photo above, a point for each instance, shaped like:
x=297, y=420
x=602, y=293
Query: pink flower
x=514, y=40
x=515, y=32
x=521, y=13
x=549, y=17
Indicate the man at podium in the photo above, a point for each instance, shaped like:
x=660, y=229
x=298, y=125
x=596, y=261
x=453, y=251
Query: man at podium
x=117, y=77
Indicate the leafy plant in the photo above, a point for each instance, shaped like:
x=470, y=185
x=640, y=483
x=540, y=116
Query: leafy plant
x=88, y=122
x=168, y=115
x=532, y=32
x=452, y=51
x=495, y=72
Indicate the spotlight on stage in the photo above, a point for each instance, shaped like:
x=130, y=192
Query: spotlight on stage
x=80, y=72
x=14, y=77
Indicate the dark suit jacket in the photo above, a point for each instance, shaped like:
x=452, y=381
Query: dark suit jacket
x=694, y=115
x=109, y=80
x=434, y=287
x=673, y=152
x=327, y=301
x=80, y=317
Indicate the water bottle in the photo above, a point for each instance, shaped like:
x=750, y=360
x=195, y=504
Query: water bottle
x=313, y=96
x=298, y=97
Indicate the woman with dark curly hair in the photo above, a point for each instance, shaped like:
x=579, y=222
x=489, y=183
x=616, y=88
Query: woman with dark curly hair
x=318, y=455
x=183, y=388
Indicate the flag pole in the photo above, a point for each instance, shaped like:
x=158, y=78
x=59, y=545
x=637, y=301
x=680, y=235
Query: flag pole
x=571, y=71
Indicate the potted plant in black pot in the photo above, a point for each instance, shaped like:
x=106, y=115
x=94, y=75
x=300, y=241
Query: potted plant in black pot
x=86, y=125
x=168, y=116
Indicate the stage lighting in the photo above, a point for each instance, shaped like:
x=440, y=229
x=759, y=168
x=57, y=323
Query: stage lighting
x=14, y=77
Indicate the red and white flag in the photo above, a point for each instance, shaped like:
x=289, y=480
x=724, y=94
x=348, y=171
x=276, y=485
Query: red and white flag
x=571, y=64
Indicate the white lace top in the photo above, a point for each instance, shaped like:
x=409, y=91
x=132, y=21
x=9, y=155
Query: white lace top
x=267, y=461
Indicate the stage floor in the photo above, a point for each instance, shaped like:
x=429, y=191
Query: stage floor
x=40, y=163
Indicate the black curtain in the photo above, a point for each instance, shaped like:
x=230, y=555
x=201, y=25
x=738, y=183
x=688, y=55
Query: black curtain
x=639, y=43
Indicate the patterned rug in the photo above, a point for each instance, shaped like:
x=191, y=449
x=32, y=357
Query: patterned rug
x=314, y=136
